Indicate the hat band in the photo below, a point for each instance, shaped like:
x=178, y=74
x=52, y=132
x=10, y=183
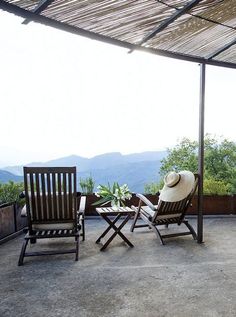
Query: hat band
x=176, y=182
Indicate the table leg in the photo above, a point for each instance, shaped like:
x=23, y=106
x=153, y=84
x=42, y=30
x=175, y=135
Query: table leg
x=108, y=228
x=117, y=231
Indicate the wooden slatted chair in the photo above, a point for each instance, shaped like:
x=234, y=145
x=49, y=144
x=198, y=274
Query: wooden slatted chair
x=165, y=213
x=52, y=209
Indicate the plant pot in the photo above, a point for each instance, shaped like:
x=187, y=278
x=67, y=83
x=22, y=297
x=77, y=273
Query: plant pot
x=7, y=220
x=21, y=222
x=11, y=220
x=90, y=210
x=234, y=204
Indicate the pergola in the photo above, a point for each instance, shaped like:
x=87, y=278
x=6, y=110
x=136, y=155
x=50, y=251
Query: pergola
x=201, y=31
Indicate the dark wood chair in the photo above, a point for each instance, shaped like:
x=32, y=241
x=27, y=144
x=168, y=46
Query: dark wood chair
x=165, y=213
x=52, y=208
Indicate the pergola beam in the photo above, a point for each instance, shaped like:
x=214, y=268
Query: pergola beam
x=168, y=21
x=42, y=5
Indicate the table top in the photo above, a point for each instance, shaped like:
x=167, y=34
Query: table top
x=114, y=211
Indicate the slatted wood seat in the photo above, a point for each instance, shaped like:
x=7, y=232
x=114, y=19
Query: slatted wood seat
x=52, y=209
x=165, y=213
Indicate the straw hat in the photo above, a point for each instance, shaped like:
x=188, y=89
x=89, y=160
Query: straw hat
x=177, y=186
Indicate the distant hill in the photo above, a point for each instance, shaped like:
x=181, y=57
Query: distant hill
x=134, y=169
x=136, y=175
x=96, y=162
x=5, y=177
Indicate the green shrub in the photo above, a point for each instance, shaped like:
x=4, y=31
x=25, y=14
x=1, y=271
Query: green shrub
x=215, y=187
x=9, y=193
x=153, y=188
x=210, y=187
x=87, y=185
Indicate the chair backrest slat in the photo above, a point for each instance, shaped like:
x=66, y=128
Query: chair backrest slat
x=49, y=200
x=65, y=195
x=54, y=196
x=43, y=193
x=59, y=194
x=32, y=197
x=50, y=194
x=70, y=193
x=167, y=208
x=38, y=198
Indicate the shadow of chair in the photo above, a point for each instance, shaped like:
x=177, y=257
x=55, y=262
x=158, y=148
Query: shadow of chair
x=52, y=208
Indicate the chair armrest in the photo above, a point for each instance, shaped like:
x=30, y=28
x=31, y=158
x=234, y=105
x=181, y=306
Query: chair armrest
x=146, y=201
x=81, y=210
x=23, y=211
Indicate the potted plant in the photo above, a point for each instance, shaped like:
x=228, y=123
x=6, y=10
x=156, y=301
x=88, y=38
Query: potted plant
x=115, y=195
x=87, y=185
x=87, y=189
x=10, y=208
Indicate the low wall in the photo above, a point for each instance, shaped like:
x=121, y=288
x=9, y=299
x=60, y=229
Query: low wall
x=215, y=205
x=212, y=204
x=12, y=223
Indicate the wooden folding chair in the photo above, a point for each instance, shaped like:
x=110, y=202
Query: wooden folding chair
x=165, y=213
x=52, y=209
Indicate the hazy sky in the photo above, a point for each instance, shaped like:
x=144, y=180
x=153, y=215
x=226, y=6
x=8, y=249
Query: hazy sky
x=62, y=94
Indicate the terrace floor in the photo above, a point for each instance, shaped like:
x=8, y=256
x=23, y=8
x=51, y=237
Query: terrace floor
x=179, y=279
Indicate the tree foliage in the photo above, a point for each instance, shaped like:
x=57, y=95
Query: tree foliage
x=153, y=188
x=182, y=157
x=215, y=187
x=9, y=193
x=219, y=163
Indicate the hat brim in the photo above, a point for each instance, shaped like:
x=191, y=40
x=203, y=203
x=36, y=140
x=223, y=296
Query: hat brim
x=181, y=190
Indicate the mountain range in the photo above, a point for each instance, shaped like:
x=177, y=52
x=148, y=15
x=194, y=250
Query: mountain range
x=7, y=176
x=133, y=169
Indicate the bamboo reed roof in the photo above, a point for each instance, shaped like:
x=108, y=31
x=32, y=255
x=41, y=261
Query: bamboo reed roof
x=202, y=31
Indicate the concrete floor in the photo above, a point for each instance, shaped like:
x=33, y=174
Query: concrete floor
x=180, y=279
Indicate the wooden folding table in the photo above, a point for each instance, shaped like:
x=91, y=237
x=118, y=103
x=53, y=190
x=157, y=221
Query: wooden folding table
x=108, y=214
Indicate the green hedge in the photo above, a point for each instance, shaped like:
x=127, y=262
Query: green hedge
x=9, y=193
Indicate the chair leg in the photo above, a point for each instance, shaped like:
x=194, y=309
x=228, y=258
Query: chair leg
x=77, y=248
x=22, y=254
x=154, y=228
x=135, y=218
x=33, y=240
x=83, y=229
x=190, y=229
